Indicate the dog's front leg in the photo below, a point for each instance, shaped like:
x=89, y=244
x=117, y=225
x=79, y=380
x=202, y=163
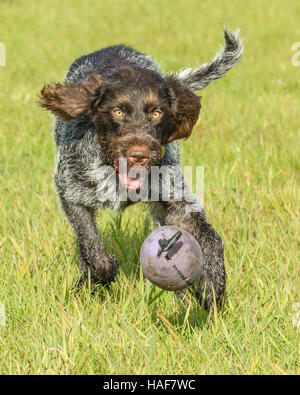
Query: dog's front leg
x=211, y=285
x=94, y=260
x=212, y=282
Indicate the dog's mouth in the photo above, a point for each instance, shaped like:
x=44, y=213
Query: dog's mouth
x=134, y=163
x=132, y=177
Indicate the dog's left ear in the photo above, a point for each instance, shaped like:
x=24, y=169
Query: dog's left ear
x=186, y=106
x=71, y=100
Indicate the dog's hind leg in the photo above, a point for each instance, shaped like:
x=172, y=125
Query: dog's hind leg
x=94, y=260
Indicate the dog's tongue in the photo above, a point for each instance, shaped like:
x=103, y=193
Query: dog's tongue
x=130, y=183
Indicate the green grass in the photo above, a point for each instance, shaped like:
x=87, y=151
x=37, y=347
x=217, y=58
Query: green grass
x=247, y=140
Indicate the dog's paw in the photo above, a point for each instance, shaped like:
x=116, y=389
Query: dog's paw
x=111, y=269
x=103, y=271
x=115, y=266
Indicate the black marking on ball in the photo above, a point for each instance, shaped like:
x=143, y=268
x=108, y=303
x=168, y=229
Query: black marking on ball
x=181, y=275
x=174, y=250
x=167, y=244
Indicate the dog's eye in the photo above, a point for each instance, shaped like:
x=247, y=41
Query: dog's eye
x=118, y=113
x=156, y=114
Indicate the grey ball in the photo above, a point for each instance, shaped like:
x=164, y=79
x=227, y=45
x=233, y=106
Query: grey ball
x=171, y=258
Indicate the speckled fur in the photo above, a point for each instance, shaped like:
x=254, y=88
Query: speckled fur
x=81, y=175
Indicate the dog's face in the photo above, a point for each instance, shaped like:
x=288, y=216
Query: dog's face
x=135, y=112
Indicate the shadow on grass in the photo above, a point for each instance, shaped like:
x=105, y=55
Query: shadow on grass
x=124, y=239
x=181, y=314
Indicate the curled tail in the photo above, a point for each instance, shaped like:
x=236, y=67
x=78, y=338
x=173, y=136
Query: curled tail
x=229, y=55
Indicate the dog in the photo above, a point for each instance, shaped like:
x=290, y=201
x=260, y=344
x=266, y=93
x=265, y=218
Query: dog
x=116, y=103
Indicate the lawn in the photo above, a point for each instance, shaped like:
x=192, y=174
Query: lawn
x=247, y=138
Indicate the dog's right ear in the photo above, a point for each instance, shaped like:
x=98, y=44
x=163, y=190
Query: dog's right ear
x=186, y=107
x=68, y=100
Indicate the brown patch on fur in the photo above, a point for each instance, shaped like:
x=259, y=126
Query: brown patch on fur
x=150, y=99
x=124, y=100
x=186, y=110
x=69, y=101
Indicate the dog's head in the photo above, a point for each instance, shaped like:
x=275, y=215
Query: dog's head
x=135, y=111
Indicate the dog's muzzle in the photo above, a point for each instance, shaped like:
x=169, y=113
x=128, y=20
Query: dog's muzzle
x=133, y=169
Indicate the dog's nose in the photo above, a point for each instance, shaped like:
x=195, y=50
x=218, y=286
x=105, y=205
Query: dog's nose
x=138, y=156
